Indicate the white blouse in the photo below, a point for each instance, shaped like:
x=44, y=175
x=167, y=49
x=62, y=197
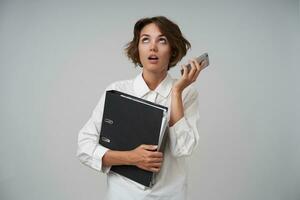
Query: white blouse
x=171, y=181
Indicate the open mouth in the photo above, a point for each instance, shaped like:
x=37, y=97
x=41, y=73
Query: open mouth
x=153, y=57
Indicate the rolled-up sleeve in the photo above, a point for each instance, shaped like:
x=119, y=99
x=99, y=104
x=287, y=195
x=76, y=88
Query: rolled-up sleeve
x=184, y=134
x=89, y=151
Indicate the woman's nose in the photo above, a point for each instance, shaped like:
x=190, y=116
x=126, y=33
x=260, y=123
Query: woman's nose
x=153, y=46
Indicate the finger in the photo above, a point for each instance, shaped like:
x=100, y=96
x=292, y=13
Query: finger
x=156, y=165
x=193, y=70
x=153, y=169
x=196, y=75
x=198, y=65
x=150, y=168
x=156, y=154
x=157, y=160
x=185, y=71
x=149, y=147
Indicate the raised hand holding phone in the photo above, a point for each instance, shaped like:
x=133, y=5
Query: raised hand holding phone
x=190, y=72
x=203, y=60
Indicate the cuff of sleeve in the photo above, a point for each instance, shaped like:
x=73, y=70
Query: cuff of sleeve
x=179, y=127
x=97, y=161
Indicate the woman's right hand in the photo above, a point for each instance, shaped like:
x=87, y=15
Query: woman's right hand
x=146, y=157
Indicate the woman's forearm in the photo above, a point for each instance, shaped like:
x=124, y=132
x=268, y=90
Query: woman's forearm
x=144, y=156
x=176, y=107
x=111, y=158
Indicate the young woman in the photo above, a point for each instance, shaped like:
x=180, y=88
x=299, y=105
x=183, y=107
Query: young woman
x=157, y=46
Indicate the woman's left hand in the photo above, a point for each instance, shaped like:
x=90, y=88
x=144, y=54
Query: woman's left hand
x=188, y=77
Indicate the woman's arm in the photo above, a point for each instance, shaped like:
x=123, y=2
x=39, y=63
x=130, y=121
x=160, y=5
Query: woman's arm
x=145, y=157
x=176, y=107
x=177, y=110
x=89, y=152
x=184, y=117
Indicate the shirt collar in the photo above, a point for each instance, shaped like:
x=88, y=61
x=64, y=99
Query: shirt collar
x=141, y=88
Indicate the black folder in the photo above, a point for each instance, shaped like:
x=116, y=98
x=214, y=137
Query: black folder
x=128, y=122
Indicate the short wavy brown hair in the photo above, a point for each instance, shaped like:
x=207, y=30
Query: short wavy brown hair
x=179, y=45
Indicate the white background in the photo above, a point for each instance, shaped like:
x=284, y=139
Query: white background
x=57, y=57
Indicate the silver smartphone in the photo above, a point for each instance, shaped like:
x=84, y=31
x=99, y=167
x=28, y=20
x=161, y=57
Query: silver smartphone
x=200, y=59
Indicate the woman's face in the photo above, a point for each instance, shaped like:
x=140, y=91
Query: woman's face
x=154, y=49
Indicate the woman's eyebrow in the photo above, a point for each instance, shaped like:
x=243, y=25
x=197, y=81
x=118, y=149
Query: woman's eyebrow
x=161, y=35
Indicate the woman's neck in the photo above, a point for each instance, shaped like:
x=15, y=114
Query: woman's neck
x=153, y=79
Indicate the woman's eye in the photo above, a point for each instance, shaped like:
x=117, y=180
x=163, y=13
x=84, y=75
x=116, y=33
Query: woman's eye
x=163, y=40
x=145, y=39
